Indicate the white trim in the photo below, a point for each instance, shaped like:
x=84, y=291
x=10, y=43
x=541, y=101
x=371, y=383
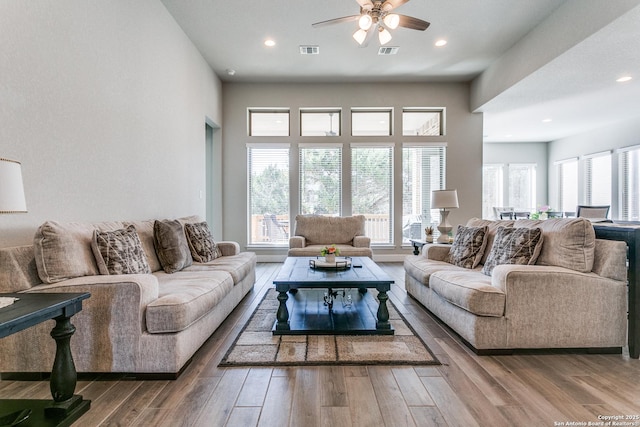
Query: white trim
x=372, y=144
x=569, y=160
x=598, y=154
x=423, y=144
x=320, y=145
x=268, y=145
x=630, y=148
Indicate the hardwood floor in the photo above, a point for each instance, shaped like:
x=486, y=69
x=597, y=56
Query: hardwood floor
x=466, y=390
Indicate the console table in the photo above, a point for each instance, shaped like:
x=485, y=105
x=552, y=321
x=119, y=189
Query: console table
x=29, y=310
x=630, y=234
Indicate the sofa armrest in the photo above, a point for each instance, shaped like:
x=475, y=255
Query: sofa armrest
x=108, y=328
x=361, y=241
x=297, y=242
x=228, y=248
x=567, y=307
x=436, y=252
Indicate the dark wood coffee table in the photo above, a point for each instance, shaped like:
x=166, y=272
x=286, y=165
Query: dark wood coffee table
x=363, y=274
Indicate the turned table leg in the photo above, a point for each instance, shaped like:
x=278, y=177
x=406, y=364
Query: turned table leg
x=283, y=313
x=63, y=374
x=383, y=311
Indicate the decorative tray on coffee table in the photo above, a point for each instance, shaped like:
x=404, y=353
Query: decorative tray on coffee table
x=341, y=263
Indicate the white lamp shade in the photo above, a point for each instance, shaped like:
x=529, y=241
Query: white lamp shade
x=11, y=188
x=444, y=199
x=392, y=21
x=360, y=35
x=364, y=22
x=384, y=36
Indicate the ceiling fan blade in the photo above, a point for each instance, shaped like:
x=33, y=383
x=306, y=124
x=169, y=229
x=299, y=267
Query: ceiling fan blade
x=336, y=21
x=392, y=4
x=366, y=4
x=413, y=23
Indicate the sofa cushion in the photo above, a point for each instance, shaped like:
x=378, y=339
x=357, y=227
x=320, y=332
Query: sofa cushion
x=468, y=246
x=421, y=268
x=119, y=252
x=63, y=250
x=568, y=242
x=201, y=243
x=469, y=290
x=184, y=298
x=514, y=246
x=326, y=230
x=239, y=266
x=491, y=232
x=171, y=245
x=345, y=250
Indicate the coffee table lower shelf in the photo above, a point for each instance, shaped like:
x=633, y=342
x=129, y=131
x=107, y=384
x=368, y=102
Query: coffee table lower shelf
x=308, y=314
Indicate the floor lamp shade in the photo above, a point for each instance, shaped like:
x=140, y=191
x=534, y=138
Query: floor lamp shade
x=443, y=200
x=11, y=188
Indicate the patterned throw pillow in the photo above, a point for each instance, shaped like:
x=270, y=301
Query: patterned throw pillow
x=468, y=246
x=119, y=252
x=514, y=246
x=201, y=243
x=171, y=245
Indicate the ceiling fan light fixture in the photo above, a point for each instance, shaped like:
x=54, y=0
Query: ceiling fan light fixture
x=392, y=21
x=360, y=35
x=365, y=21
x=384, y=36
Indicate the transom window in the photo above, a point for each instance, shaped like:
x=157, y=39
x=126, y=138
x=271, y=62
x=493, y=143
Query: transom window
x=422, y=122
x=371, y=122
x=268, y=122
x=319, y=122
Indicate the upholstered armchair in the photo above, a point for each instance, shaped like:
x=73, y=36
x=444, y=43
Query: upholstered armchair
x=313, y=232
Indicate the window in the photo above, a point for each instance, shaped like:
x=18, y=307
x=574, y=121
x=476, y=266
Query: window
x=522, y=187
x=321, y=179
x=371, y=189
x=568, y=185
x=268, y=169
x=371, y=122
x=492, y=189
x=422, y=122
x=316, y=122
x=423, y=170
x=268, y=122
x=597, y=171
x=629, y=159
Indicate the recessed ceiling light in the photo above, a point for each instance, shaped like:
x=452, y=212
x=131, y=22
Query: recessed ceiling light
x=440, y=42
x=546, y=120
x=231, y=71
x=624, y=79
x=508, y=135
x=269, y=42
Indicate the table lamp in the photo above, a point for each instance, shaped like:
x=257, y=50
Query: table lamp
x=443, y=200
x=11, y=188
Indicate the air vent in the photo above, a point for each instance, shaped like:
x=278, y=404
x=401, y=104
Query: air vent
x=392, y=50
x=309, y=50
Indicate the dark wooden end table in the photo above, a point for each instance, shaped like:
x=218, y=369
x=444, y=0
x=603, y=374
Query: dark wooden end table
x=29, y=310
x=363, y=274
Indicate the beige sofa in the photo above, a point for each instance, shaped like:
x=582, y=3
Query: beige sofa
x=312, y=233
x=149, y=323
x=574, y=296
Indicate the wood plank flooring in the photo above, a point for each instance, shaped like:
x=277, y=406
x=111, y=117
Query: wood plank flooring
x=466, y=390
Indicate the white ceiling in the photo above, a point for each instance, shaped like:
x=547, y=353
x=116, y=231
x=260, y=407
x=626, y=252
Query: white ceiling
x=573, y=84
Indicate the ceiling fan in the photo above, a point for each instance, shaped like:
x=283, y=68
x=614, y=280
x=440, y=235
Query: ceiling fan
x=376, y=17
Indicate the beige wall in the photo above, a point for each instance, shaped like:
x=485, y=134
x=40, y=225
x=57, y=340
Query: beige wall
x=104, y=103
x=464, y=137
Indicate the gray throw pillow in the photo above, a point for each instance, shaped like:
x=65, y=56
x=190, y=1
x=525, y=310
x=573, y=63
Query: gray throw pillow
x=171, y=245
x=119, y=252
x=468, y=246
x=514, y=246
x=203, y=247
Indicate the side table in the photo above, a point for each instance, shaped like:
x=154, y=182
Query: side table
x=29, y=310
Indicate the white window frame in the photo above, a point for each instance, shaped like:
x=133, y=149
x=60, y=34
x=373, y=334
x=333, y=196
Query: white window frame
x=628, y=186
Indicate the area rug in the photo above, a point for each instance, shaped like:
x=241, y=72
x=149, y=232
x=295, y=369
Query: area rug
x=257, y=346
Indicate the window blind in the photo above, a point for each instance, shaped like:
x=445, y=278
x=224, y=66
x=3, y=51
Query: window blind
x=423, y=170
x=629, y=166
x=320, y=180
x=567, y=185
x=597, y=179
x=372, y=189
